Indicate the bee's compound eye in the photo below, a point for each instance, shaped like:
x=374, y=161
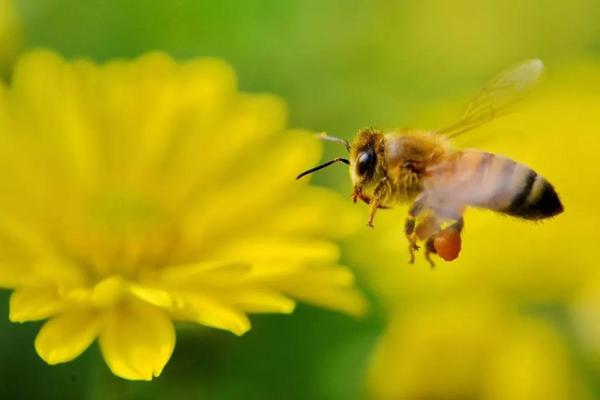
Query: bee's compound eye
x=366, y=163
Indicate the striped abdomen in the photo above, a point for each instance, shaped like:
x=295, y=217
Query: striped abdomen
x=495, y=182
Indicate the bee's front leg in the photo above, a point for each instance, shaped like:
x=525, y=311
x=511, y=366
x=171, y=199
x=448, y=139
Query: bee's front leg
x=356, y=194
x=381, y=192
x=374, y=205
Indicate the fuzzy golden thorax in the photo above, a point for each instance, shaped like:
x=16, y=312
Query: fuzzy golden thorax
x=410, y=155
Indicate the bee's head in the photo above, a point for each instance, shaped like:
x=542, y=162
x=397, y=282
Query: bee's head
x=366, y=155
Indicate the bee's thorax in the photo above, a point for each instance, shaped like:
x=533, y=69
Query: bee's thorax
x=409, y=155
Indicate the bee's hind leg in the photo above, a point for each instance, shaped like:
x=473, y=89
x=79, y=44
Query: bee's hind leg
x=445, y=243
x=429, y=249
x=458, y=225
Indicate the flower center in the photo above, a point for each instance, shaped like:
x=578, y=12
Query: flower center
x=118, y=233
x=124, y=212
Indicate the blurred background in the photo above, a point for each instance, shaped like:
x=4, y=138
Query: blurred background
x=517, y=316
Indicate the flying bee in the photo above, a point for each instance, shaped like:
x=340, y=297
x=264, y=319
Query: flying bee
x=420, y=167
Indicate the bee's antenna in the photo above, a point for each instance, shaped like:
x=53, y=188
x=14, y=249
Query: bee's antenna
x=324, y=136
x=328, y=163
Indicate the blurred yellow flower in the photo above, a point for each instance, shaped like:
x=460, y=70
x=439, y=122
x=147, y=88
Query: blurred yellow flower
x=471, y=348
x=585, y=310
x=139, y=193
x=10, y=33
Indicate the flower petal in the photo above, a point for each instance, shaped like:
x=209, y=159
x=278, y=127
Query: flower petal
x=261, y=301
x=207, y=311
x=334, y=217
x=13, y=275
x=282, y=251
x=330, y=287
x=137, y=341
x=202, y=271
x=65, y=337
x=341, y=299
x=158, y=297
x=34, y=303
x=261, y=193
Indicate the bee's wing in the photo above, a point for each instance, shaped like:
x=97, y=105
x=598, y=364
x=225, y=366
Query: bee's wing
x=496, y=97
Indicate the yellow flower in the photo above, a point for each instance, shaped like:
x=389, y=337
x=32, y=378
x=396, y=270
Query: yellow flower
x=10, y=33
x=139, y=193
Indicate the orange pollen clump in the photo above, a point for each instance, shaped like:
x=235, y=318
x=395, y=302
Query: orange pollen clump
x=447, y=244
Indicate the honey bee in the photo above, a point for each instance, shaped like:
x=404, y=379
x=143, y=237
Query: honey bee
x=420, y=167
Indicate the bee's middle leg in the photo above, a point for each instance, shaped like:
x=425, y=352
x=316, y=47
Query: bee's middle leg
x=409, y=227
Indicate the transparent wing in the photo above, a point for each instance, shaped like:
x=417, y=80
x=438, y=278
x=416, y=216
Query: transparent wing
x=496, y=97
